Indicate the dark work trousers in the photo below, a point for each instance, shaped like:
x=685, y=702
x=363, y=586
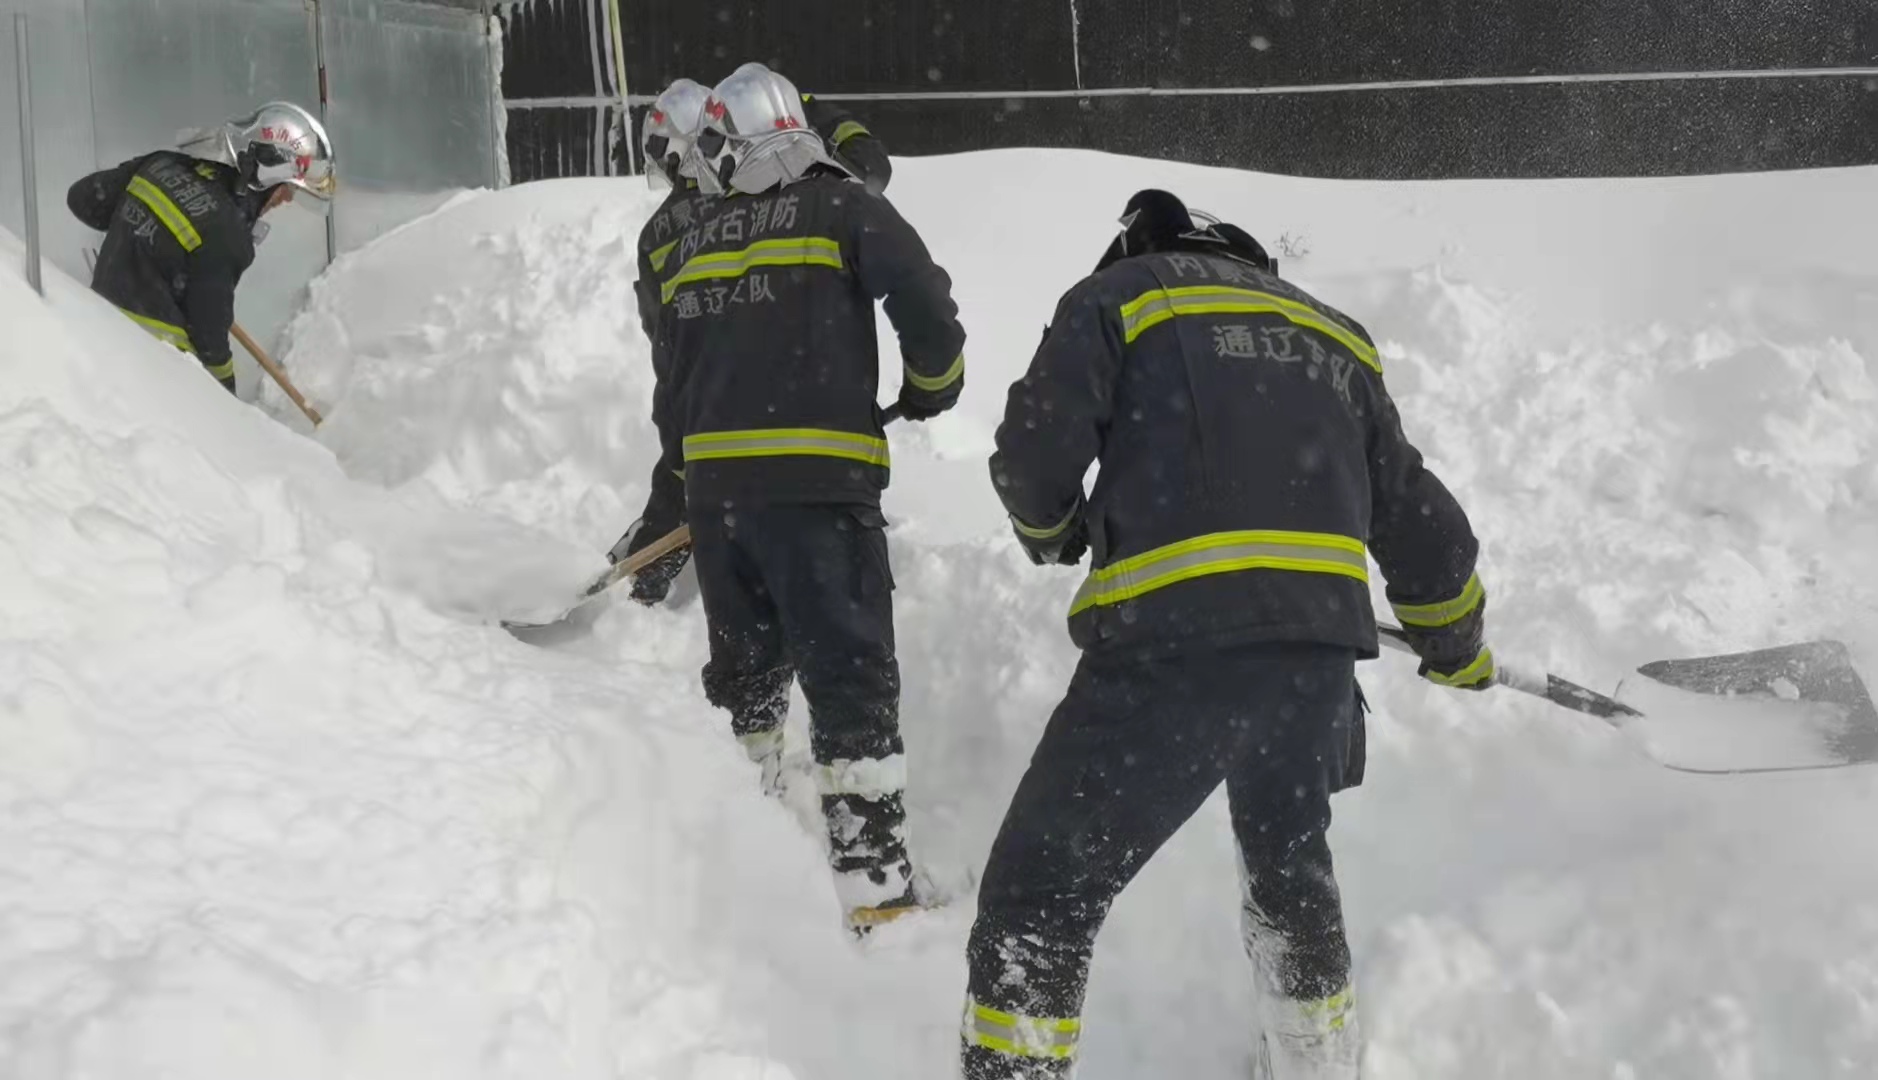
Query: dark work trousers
x=1134, y=749
x=805, y=592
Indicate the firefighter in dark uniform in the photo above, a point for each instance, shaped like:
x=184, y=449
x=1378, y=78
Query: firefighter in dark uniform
x=770, y=404
x=181, y=230
x=1249, y=456
x=667, y=142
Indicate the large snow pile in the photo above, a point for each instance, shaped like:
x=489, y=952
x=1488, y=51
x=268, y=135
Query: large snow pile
x=277, y=800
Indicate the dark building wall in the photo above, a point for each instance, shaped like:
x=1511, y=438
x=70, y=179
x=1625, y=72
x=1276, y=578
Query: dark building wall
x=1212, y=42
x=839, y=47
x=854, y=46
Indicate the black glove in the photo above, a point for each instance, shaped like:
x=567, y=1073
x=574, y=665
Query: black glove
x=1455, y=655
x=1064, y=549
x=916, y=410
x=653, y=583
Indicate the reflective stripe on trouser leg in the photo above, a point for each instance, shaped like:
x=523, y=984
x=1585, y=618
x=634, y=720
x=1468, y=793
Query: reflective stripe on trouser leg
x=765, y=743
x=1017, y=1035
x=866, y=813
x=1029, y=959
x=1317, y=1039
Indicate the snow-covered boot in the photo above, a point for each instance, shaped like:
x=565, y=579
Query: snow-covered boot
x=1310, y=1040
x=766, y=749
x=867, y=850
x=866, y=816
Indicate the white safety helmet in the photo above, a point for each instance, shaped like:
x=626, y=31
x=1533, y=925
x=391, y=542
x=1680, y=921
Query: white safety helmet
x=756, y=135
x=278, y=143
x=281, y=143
x=668, y=140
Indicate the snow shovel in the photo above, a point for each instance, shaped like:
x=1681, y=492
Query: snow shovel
x=1785, y=709
x=639, y=560
x=618, y=572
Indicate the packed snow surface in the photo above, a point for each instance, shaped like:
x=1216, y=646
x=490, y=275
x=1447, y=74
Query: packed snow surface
x=277, y=797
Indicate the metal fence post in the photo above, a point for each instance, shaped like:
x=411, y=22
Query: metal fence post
x=28, y=168
x=498, y=110
x=625, y=110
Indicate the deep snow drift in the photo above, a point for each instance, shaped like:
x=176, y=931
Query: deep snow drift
x=277, y=800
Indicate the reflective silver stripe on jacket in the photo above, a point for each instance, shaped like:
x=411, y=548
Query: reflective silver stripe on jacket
x=779, y=442
x=1223, y=553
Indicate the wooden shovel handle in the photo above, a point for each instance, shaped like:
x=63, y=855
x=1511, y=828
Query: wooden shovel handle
x=639, y=560
x=273, y=369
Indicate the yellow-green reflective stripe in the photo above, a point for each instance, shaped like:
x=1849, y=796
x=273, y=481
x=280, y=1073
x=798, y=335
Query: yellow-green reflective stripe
x=848, y=129
x=952, y=374
x=659, y=255
x=1049, y=533
x=1481, y=670
x=783, y=442
x=796, y=251
x=1447, y=612
x=1152, y=308
x=1223, y=553
x=167, y=212
x=175, y=335
x=223, y=370
x=1020, y=1036
x=1335, y=1009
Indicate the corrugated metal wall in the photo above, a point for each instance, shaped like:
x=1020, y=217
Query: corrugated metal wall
x=64, y=141
x=1252, y=82
x=413, y=110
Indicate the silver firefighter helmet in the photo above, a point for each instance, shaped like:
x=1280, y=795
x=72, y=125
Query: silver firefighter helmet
x=278, y=143
x=669, y=138
x=756, y=135
x=281, y=143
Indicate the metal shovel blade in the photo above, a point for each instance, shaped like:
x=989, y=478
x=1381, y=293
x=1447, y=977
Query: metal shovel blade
x=558, y=616
x=1771, y=710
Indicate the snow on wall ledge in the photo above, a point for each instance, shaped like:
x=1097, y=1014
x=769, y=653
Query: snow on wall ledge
x=275, y=800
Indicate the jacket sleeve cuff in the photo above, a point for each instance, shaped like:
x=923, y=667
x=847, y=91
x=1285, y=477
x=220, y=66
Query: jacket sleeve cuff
x=1445, y=612
x=1051, y=531
x=940, y=383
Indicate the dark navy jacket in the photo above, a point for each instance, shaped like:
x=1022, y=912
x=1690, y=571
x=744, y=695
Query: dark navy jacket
x=1250, y=455
x=768, y=326
x=178, y=237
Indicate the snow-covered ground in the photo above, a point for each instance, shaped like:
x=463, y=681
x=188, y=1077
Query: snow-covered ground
x=277, y=800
